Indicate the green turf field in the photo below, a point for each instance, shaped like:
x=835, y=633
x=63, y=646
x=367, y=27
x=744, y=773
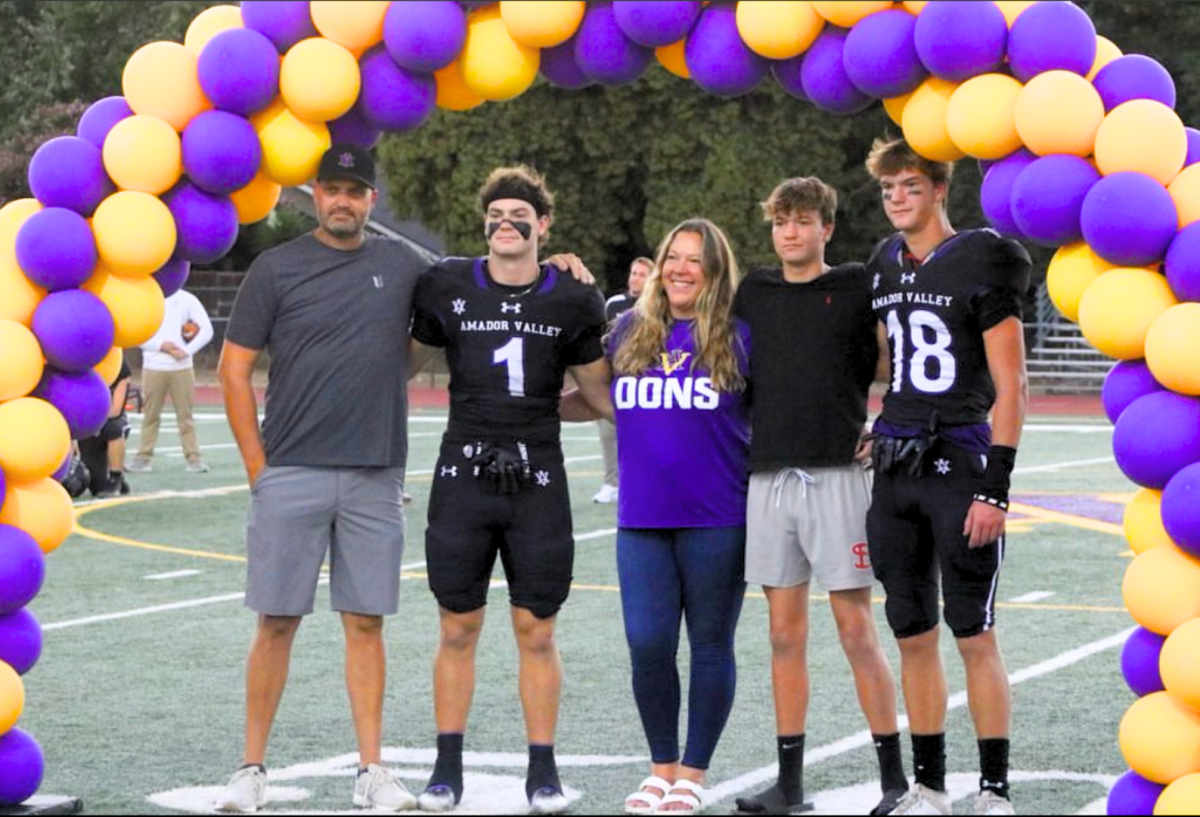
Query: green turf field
x=137, y=700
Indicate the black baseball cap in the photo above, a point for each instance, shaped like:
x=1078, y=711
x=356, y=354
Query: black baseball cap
x=347, y=161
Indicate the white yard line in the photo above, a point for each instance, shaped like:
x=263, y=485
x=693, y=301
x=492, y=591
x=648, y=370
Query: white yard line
x=175, y=574
x=1029, y=598
x=1058, y=466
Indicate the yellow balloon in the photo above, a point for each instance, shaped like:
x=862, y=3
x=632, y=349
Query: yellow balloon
x=1013, y=8
x=292, y=147
x=208, y=24
x=23, y=360
x=319, y=79
x=1171, y=346
x=1142, y=135
x=981, y=116
x=255, y=201
x=452, y=93
x=1185, y=191
x=143, y=153
x=1071, y=271
x=1143, y=521
x=1059, y=112
x=895, y=107
x=135, y=234
x=778, y=30
x=160, y=80
x=914, y=7
x=494, y=65
x=1179, y=664
x=356, y=24
x=12, y=697
x=19, y=296
x=1106, y=52
x=1181, y=797
x=924, y=121
x=671, y=57
x=42, y=509
x=846, y=13
x=34, y=439
x=137, y=305
x=12, y=217
x=110, y=367
x=544, y=23
x=1162, y=588
x=1160, y=738
x=1117, y=309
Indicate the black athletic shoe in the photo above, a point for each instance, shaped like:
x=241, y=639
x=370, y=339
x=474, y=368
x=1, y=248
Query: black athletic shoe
x=891, y=799
x=772, y=801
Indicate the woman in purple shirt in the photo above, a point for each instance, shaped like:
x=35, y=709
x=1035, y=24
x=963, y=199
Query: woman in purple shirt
x=680, y=369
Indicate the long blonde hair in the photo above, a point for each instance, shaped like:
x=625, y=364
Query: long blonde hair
x=717, y=344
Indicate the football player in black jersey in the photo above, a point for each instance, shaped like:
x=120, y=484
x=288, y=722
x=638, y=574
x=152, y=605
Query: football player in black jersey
x=510, y=327
x=950, y=305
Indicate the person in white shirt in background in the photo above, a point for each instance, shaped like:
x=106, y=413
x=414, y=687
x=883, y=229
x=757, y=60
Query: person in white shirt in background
x=167, y=370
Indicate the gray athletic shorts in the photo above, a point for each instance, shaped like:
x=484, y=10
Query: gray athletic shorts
x=299, y=513
x=806, y=523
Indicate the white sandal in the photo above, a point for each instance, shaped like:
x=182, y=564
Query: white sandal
x=649, y=800
x=694, y=796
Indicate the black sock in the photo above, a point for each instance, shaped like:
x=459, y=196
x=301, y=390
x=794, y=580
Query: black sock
x=448, y=770
x=258, y=766
x=791, y=766
x=891, y=763
x=929, y=760
x=543, y=771
x=993, y=766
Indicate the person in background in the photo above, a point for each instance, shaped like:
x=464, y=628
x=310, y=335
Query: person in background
x=103, y=455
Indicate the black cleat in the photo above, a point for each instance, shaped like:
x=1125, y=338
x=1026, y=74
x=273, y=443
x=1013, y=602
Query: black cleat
x=772, y=801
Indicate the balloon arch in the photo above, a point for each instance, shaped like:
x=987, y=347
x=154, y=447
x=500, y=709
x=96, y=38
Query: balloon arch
x=1081, y=145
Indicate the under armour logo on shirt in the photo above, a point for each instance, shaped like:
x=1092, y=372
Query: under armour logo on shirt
x=505, y=308
x=450, y=471
x=908, y=277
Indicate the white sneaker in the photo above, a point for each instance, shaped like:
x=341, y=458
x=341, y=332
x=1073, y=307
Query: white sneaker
x=922, y=800
x=547, y=800
x=139, y=466
x=437, y=799
x=607, y=495
x=197, y=467
x=377, y=787
x=246, y=792
x=988, y=802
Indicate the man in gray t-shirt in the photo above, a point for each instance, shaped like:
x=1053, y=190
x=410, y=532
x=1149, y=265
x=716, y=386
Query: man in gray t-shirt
x=326, y=469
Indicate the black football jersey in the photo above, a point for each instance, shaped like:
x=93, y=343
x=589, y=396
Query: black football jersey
x=508, y=347
x=936, y=313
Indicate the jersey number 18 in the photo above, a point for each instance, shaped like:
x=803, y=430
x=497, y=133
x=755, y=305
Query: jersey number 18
x=921, y=323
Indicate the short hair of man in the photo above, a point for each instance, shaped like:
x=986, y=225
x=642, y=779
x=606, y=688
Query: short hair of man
x=889, y=157
x=648, y=263
x=799, y=195
x=520, y=182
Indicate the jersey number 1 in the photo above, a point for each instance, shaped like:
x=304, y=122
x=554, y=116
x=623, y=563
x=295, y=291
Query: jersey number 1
x=920, y=322
x=513, y=354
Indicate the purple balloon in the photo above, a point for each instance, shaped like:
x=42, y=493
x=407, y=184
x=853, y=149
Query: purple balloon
x=221, y=152
x=283, y=22
x=60, y=473
x=1157, y=436
x=1120, y=238
x=958, y=40
x=658, y=23
x=1133, y=794
x=206, y=224
x=1139, y=662
x=83, y=399
x=1181, y=509
x=352, y=128
x=1051, y=36
x=717, y=59
x=20, y=640
x=393, y=98
x=56, y=249
x=68, y=172
x=823, y=75
x=424, y=35
x=239, y=70
x=995, y=195
x=1183, y=263
x=1124, y=383
x=75, y=329
x=1193, y=147
x=604, y=53
x=22, y=765
x=172, y=275
x=787, y=74
x=100, y=117
x=1048, y=195
x=1134, y=76
x=880, y=55
x=22, y=569
x=559, y=68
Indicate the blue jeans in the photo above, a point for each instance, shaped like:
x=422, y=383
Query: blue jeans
x=667, y=576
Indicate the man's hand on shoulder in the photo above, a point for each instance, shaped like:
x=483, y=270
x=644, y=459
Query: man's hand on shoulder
x=572, y=263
